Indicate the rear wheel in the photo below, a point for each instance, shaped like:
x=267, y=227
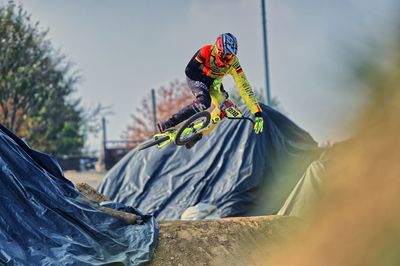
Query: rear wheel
x=152, y=142
x=190, y=129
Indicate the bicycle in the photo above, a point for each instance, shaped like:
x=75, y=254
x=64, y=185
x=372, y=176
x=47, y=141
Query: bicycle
x=200, y=123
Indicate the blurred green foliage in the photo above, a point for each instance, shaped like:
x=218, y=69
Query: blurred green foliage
x=36, y=82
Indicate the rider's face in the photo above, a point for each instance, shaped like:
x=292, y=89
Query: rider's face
x=225, y=58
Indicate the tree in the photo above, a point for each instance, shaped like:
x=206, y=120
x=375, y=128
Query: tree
x=169, y=100
x=36, y=83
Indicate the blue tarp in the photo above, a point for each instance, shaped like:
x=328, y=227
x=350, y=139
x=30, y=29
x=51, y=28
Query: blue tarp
x=232, y=168
x=45, y=220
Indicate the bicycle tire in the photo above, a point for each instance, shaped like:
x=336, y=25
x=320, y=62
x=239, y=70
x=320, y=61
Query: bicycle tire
x=182, y=141
x=152, y=142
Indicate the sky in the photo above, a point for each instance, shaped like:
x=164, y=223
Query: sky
x=124, y=48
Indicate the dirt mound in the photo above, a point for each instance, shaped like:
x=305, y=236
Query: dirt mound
x=229, y=241
x=233, y=241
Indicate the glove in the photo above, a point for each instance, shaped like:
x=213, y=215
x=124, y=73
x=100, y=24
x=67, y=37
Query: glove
x=259, y=124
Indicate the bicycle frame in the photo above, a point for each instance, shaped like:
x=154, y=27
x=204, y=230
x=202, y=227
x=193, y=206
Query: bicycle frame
x=195, y=128
x=171, y=134
x=226, y=109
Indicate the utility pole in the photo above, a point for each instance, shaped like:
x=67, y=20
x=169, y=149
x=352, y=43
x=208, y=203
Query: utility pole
x=153, y=97
x=103, y=121
x=264, y=24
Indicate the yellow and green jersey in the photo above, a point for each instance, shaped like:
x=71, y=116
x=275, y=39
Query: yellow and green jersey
x=206, y=67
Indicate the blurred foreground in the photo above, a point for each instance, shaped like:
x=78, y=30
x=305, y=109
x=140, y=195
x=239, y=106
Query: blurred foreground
x=356, y=219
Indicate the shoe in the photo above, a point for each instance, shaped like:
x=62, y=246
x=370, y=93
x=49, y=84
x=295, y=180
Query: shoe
x=191, y=143
x=164, y=125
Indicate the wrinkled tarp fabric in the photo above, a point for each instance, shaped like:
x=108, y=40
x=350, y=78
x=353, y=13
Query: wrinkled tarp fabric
x=231, y=168
x=44, y=220
x=306, y=191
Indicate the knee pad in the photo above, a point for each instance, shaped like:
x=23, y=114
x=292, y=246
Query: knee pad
x=202, y=103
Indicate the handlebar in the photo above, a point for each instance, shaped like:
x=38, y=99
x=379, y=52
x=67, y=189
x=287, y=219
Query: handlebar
x=243, y=117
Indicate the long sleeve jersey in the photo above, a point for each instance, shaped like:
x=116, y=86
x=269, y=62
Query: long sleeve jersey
x=204, y=67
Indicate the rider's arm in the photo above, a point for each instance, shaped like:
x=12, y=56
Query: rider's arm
x=244, y=87
x=195, y=64
x=198, y=61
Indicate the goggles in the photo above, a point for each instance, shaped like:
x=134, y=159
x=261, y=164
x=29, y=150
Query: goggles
x=224, y=57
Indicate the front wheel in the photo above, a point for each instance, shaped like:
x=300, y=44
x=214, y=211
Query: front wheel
x=152, y=142
x=189, y=130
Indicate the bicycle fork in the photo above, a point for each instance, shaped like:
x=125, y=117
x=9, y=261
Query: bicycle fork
x=169, y=134
x=215, y=119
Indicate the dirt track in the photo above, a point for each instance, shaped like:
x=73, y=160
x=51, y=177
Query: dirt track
x=230, y=241
x=233, y=241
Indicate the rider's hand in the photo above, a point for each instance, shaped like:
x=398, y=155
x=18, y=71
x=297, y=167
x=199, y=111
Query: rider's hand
x=259, y=123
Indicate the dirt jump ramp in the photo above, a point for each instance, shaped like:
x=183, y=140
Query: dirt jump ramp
x=229, y=241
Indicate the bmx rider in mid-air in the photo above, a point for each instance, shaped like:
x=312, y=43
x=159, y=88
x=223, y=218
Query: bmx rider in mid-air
x=204, y=75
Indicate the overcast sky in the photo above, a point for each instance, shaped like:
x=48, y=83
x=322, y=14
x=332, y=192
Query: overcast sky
x=123, y=48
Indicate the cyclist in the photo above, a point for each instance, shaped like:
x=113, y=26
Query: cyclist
x=204, y=74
